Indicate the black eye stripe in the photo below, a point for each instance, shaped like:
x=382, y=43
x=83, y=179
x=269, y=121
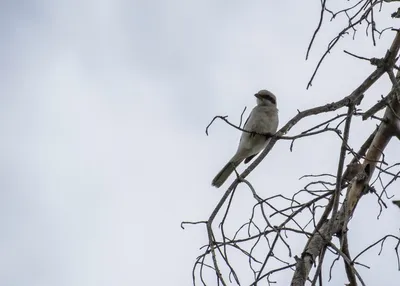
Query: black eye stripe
x=270, y=98
x=266, y=96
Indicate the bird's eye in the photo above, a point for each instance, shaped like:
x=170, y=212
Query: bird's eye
x=270, y=98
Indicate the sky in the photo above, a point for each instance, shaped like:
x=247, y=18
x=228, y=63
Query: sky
x=103, y=109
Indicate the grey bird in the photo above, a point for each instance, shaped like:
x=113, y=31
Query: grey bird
x=262, y=119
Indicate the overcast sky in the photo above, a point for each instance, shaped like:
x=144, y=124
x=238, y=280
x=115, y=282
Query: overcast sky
x=103, y=107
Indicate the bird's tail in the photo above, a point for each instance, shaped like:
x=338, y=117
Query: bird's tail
x=226, y=171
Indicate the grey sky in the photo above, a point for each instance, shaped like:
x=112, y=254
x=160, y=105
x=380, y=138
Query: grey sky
x=103, y=107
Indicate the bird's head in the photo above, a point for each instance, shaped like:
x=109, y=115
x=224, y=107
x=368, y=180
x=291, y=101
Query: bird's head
x=265, y=97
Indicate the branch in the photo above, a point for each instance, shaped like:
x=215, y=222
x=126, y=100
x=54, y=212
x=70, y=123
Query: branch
x=365, y=11
x=349, y=270
x=337, y=223
x=347, y=261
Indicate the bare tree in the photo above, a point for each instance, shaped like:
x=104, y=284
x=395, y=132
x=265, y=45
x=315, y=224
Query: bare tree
x=317, y=211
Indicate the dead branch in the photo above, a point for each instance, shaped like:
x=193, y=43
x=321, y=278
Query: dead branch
x=355, y=191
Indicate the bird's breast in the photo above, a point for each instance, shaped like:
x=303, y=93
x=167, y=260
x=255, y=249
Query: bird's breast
x=263, y=120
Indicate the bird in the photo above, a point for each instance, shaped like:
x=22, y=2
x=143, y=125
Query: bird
x=263, y=119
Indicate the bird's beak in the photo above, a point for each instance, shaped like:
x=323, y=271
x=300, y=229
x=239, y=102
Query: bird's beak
x=258, y=96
